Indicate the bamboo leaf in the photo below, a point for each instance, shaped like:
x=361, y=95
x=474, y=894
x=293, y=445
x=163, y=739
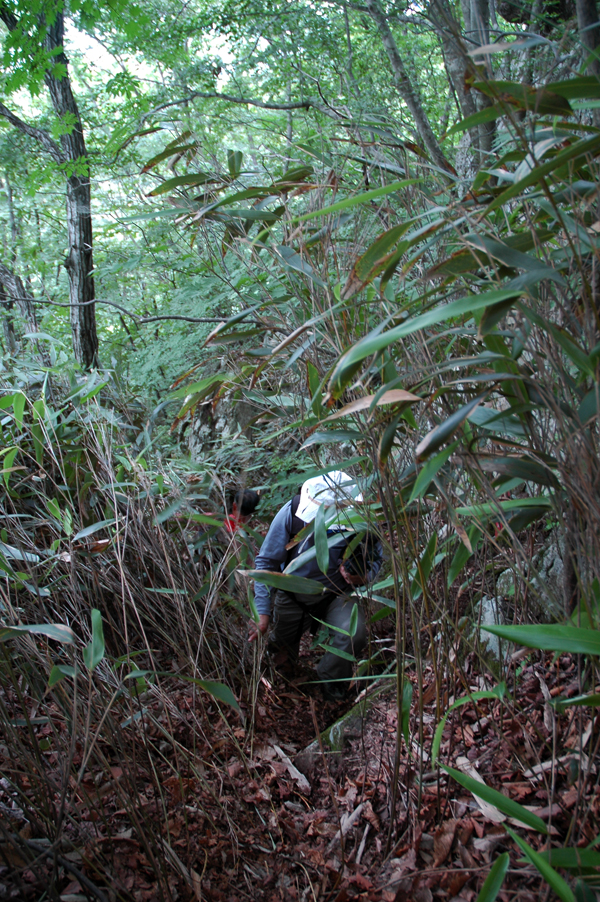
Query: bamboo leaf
x=488, y=114
x=57, y=631
x=494, y=880
x=59, y=672
x=321, y=546
x=582, y=147
x=572, y=859
x=430, y=469
x=551, y=637
x=442, y=433
x=364, y=198
x=339, y=652
x=93, y=653
x=353, y=621
x=350, y=362
x=386, y=442
x=285, y=581
x=394, y=396
x=18, y=403
x=555, y=881
x=507, y=806
x=234, y=162
x=374, y=260
x=7, y=467
x=334, y=435
x=95, y=527
x=218, y=690
x=199, y=178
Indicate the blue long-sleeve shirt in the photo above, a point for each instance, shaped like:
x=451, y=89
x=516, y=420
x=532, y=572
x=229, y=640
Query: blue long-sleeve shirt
x=274, y=556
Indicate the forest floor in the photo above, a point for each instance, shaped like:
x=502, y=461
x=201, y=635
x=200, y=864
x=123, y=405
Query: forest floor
x=246, y=824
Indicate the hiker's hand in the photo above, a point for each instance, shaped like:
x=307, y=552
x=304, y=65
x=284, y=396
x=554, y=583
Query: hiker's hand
x=260, y=628
x=353, y=579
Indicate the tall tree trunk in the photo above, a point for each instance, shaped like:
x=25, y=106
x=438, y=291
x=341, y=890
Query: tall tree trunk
x=459, y=64
x=79, y=260
x=16, y=293
x=589, y=31
x=404, y=85
x=8, y=325
x=13, y=293
x=455, y=55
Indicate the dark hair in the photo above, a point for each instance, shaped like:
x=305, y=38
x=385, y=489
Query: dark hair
x=247, y=501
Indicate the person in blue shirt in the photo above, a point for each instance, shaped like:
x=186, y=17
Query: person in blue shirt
x=290, y=614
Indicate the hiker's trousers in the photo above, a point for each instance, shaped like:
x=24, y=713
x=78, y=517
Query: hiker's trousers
x=294, y=614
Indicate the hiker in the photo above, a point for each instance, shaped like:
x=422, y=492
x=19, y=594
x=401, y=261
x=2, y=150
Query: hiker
x=293, y=613
x=240, y=508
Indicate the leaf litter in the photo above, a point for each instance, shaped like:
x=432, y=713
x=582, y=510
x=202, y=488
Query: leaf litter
x=248, y=822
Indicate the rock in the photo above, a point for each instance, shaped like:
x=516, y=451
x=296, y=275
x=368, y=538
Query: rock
x=335, y=737
x=489, y=613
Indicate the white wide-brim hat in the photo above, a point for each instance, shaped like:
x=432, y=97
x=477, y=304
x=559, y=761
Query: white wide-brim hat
x=336, y=488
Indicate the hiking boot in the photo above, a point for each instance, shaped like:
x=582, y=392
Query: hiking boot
x=334, y=692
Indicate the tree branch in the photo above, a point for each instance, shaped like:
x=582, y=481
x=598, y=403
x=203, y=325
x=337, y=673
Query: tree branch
x=38, y=134
x=404, y=85
x=265, y=105
x=142, y=320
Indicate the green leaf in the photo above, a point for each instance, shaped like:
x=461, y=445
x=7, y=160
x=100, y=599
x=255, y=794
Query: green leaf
x=555, y=881
x=497, y=421
x=95, y=527
x=337, y=651
x=218, y=690
x=19, y=401
x=488, y=114
x=593, y=700
x=386, y=442
x=200, y=178
x=404, y=713
x=426, y=474
x=165, y=154
x=572, y=859
x=285, y=581
x=442, y=433
x=582, y=147
x=7, y=466
x=374, y=260
x=350, y=362
x=463, y=554
x=521, y=467
x=424, y=565
x=59, y=672
x=321, y=546
x=333, y=435
x=53, y=507
x=543, y=101
x=292, y=260
x=494, y=880
x=38, y=443
x=551, y=637
x=586, y=86
x=498, y=800
x=202, y=388
x=364, y=198
x=93, y=653
x=353, y=621
x=57, y=631
x=234, y=162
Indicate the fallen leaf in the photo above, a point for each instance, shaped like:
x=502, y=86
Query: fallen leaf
x=443, y=839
